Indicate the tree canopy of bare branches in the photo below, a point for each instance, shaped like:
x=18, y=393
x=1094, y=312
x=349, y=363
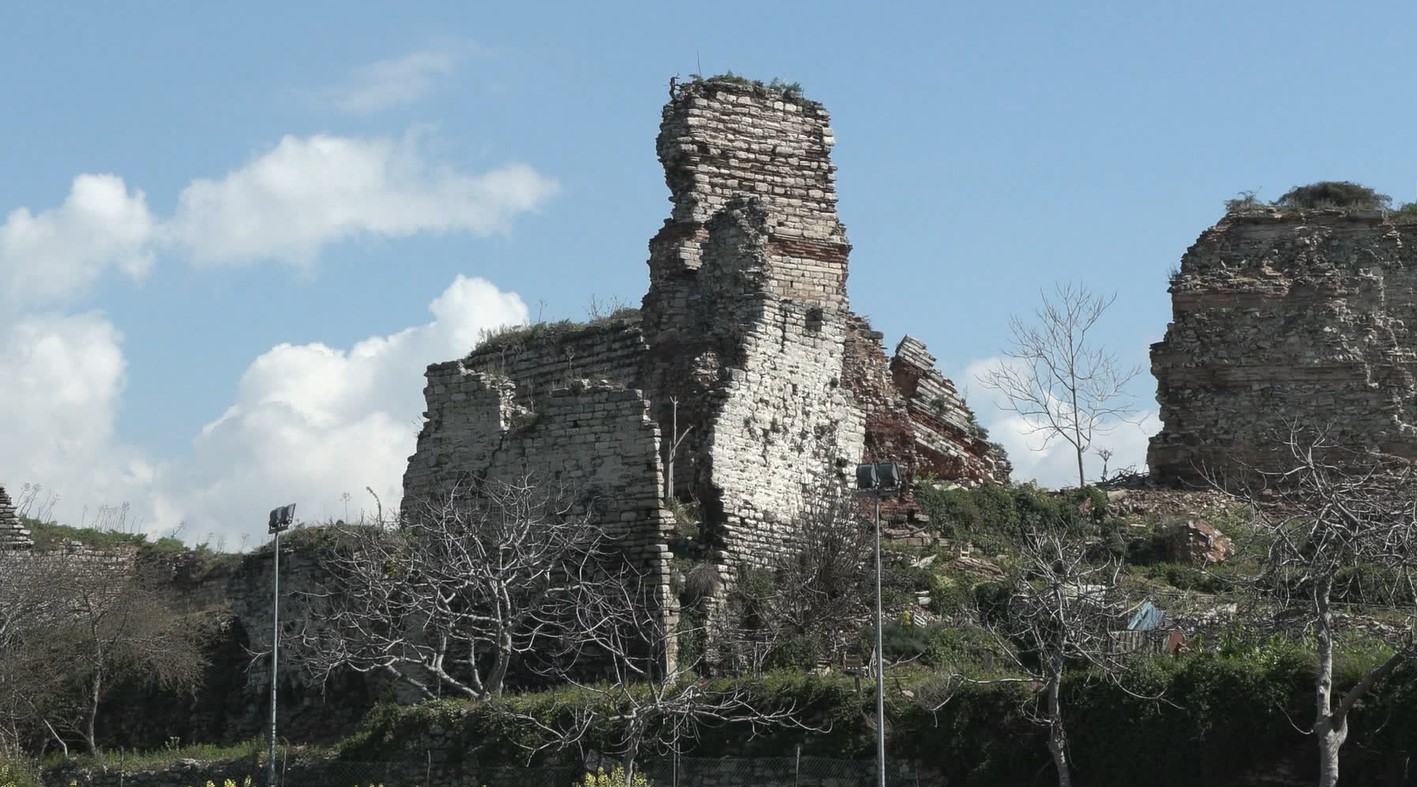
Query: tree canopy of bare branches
x=1057, y=611
x=452, y=594
x=1333, y=518
x=611, y=650
x=1057, y=378
x=73, y=625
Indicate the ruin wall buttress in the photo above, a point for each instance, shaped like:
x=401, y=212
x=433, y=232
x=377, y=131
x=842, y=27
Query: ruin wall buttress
x=13, y=535
x=592, y=441
x=1287, y=318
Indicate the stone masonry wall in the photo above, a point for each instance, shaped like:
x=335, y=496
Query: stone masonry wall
x=13, y=535
x=539, y=359
x=745, y=354
x=595, y=441
x=949, y=443
x=746, y=315
x=1287, y=317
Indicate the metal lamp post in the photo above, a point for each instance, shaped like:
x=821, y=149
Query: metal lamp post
x=280, y=521
x=874, y=480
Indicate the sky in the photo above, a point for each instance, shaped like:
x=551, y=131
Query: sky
x=233, y=235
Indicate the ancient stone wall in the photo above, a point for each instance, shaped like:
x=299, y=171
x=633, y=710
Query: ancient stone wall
x=746, y=355
x=1280, y=318
x=949, y=443
x=591, y=441
x=541, y=358
x=13, y=535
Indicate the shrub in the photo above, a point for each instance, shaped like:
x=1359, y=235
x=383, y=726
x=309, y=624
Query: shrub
x=1333, y=194
x=615, y=778
x=990, y=515
x=14, y=774
x=798, y=653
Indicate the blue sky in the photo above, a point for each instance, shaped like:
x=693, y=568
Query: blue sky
x=224, y=225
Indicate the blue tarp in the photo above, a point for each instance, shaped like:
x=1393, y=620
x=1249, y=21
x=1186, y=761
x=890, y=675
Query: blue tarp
x=1147, y=618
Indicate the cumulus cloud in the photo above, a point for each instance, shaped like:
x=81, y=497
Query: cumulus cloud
x=290, y=202
x=394, y=82
x=63, y=377
x=58, y=253
x=1054, y=463
x=308, y=422
x=311, y=422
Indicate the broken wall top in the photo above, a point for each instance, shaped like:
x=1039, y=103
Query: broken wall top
x=1284, y=317
x=13, y=535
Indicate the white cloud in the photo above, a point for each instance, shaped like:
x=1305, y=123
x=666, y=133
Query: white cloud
x=311, y=422
x=308, y=192
x=395, y=81
x=1054, y=464
x=63, y=377
x=58, y=253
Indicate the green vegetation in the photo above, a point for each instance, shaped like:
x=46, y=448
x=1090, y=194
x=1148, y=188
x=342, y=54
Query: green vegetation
x=1334, y=194
x=18, y=774
x=615, y=778
x=1226, y=713
x=511, y=336
x=1327, y=194
x=789, y=90
x=992, y=513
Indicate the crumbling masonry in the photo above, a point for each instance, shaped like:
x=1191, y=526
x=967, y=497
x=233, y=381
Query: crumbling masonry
x=1280, y=318
x=744, y=350
x=13, y=535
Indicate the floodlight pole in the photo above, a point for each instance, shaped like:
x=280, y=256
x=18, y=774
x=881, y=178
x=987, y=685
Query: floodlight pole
x=279, y=520
x=880, y=658
x=275, y=651
x=873, y=479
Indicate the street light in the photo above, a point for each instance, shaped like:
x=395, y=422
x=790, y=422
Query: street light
x=280, y=520
x=876, y=479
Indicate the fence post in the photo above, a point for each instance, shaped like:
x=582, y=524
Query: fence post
x=797, y=768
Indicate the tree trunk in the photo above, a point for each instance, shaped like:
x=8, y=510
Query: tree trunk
x=1057, y=736
x=1330, y=730
x=91, y=723
x=1331, y=736
x=632, y=752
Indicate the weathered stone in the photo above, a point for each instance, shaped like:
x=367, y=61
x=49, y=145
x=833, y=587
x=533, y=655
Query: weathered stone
x=13, y=535
x=1282, y=318
x=744, y=353
x=1196, y=543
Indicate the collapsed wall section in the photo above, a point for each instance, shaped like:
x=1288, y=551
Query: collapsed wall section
x=543, y=357
x=949, y=442
x=592, y=441
x=1284, y=318
x=13, y=535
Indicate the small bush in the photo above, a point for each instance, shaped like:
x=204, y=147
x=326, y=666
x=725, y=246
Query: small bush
x=15, y=774
x=798, y=653
x=1334, y=194
x=615, y=778
x=991, y=515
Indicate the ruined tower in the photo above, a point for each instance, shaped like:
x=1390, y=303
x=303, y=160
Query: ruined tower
x=745, y=355
x=1287, y=317
x=13, y=535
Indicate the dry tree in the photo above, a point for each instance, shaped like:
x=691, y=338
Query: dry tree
x=454, y=591
x=1339, y=525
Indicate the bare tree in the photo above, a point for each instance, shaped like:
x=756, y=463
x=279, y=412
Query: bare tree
x=614, y=649
x=1055, y=612
x=453, y=593
x=95, y=623
x=1338, y=523
x=1057, y=378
